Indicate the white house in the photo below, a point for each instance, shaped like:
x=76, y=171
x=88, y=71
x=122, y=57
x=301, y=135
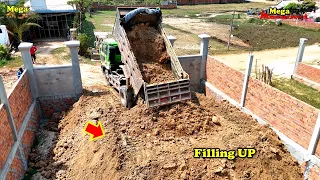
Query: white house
x=56, y=18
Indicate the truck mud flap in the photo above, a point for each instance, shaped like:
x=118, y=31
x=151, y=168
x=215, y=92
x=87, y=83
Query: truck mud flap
x=167, y=93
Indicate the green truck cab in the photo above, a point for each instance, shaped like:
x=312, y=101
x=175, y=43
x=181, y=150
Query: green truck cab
x=110, y=55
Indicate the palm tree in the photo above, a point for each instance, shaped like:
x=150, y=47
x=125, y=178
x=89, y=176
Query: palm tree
x=20, y=24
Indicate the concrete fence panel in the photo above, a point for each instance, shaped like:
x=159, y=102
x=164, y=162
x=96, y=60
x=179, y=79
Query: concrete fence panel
x=54, y=80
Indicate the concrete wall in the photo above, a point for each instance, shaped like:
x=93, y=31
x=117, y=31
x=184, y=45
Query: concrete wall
x=54, y=80
x=295, y=122
x=192, y=64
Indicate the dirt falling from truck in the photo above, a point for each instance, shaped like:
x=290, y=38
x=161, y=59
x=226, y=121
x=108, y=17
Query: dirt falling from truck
x=149, y=48
x=158, y=143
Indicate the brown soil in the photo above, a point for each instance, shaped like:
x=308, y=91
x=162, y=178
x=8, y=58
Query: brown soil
x=149, y=49
x=158, y=143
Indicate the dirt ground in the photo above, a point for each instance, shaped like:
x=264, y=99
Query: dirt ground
x=281, y=60
x=151, y=54
x=197, y=26
x=157, y=143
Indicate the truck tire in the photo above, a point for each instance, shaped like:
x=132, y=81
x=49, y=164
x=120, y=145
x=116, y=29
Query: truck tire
x=126, y=97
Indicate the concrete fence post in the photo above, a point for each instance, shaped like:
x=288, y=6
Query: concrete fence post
x=27, y=61
x=315, y=137
x=73, y=46
x=4, y=100
x=246, y=81
x=204, y=53
x=172, y=39
x=302, y=44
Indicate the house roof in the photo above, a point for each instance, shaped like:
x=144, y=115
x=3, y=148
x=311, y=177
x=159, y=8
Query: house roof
x=49, y=6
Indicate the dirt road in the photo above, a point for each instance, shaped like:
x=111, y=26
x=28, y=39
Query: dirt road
x=282, y=60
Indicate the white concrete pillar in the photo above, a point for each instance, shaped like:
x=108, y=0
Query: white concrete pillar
x=315, y=137
x=172, y=39
x=302, y=44
x=246, y=80
x=204, y=52
x=73, y=46
x=27, y=61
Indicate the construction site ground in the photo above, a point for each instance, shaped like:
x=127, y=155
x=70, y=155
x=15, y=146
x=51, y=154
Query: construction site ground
x=157, y=143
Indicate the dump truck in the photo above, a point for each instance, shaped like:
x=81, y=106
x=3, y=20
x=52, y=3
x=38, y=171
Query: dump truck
x=123, y=70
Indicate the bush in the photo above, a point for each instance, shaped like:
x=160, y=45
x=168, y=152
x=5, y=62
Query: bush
x=293, y=8
x=308, y=5
x=4, y=53
x=84, y=45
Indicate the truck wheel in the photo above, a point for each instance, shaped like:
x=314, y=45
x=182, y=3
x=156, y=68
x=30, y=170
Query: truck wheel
x=126, y=97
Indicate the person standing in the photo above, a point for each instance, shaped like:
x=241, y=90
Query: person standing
x=33, y=53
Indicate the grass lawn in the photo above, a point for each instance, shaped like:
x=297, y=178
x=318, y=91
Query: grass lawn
x=298, y=90
x=191, y=11
x=12, y=63
x=260, y=34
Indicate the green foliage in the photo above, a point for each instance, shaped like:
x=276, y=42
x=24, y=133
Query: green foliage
x=308, y=5
x=293, y=7
x=84, y=44
x=4, y=53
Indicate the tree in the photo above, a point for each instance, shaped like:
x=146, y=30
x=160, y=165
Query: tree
x=21, y=23
x=82, y=7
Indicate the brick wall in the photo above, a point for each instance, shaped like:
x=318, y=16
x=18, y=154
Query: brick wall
x=287, y=114
x=225, y=78
x=50, y=106
x=20, y=100
x=30, y=132
x=290, y=116
x=16, y=171
x=6, y=137
x=308, y=72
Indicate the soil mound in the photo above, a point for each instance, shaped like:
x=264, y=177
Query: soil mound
x=158, y=143
x=149, y=49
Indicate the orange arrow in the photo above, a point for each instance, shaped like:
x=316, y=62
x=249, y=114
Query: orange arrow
x=95, y=131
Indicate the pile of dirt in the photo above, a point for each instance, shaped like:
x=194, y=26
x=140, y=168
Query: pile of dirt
x=158, y=143
x=150, y=51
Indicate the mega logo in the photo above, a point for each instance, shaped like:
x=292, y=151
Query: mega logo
x=15, y=9
x=274, y=13
x=282, y=12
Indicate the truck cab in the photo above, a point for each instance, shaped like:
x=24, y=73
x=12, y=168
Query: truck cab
x=110, y=55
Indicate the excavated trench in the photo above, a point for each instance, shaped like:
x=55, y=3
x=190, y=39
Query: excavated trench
x=156, y=143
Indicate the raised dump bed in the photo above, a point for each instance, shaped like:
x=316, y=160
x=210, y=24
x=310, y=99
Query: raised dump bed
x=149, y=61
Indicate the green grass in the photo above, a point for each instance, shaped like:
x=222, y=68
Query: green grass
x=61, y=53
x=271, y=36
x=212, y=8
x=12, y=63
x=298, y=90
